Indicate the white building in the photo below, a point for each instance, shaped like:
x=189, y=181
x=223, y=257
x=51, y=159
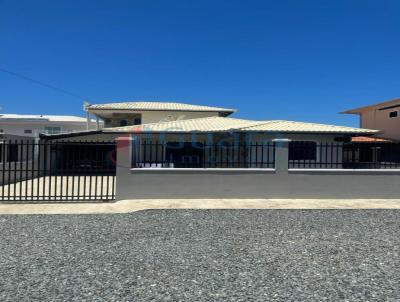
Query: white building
x=33, y=125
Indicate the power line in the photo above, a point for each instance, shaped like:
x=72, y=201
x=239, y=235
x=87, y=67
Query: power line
x=43, y=84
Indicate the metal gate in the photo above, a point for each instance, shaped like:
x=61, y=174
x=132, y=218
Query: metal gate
x=57, y=171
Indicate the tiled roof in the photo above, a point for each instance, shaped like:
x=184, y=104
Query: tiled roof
x=151, y=106
x=366, y=139
x=206, y=124
x=223, y=124
x=291, y=126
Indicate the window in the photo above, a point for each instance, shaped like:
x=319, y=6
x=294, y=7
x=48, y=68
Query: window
x=123, y=123
x=393, y=114
x=185, y=154
x=302, y=150
x=108, y=123
x=137, y=121
x=27, y=131
x=52, y=130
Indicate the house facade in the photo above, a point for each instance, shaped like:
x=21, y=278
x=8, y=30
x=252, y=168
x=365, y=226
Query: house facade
x=185, y=135
x=384, y=116
x=216, y=142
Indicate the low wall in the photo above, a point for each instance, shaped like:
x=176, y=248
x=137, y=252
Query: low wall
x=167, y=183
x=173, y=183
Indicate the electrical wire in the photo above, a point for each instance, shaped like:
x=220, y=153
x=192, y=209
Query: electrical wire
x=43, y=84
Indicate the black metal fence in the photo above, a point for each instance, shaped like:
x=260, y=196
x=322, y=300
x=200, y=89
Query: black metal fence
x=344, y=155
x=56, y=171
x=202, y=155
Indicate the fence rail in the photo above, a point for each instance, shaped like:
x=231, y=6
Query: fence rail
x=54, y=171
x=202, y=155
x=302, y=154
x=344, y=155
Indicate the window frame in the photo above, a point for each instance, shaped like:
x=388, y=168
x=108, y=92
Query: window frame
x=51, y=129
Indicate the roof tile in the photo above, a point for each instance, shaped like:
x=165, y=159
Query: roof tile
x=221, y=124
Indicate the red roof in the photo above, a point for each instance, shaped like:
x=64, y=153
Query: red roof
x=367, y=139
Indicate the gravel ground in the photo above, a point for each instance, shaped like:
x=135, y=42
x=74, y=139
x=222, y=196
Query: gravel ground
x=202, y=255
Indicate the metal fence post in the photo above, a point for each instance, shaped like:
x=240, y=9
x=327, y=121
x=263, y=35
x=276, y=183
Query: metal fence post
x=281, y=155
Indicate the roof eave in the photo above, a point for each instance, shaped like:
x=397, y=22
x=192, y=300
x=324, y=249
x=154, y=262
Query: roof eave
x=227, y=111
x=242, y=131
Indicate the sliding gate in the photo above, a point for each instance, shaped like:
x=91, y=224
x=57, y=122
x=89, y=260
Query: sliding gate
x=57, y=171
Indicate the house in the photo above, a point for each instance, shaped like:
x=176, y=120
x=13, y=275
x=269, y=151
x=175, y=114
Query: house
x=23, y=125
x=384, y=116
x=224, y=141
x=167, y=133
x=167, y=117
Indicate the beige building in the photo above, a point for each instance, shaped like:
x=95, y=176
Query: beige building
x=136, y=113
x=384, y=117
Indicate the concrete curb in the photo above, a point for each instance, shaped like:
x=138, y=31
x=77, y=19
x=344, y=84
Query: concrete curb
x=128, y=206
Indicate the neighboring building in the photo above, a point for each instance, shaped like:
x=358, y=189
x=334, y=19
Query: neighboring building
x=384, y=117
x=136, y=113
x=33, y=125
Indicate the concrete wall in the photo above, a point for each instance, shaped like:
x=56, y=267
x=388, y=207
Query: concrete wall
x=251, y=183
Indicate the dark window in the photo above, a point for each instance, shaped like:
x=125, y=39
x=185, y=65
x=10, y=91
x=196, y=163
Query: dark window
x=12, y=152
x=137, y=121
x=185, y=154
x=302, y=151
x=123, y=123
x=393, y=114
x=28, y=131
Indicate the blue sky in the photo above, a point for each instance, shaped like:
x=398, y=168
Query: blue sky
x=297, y=60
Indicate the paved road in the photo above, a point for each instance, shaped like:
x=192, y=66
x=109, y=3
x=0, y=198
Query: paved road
x=202, y=255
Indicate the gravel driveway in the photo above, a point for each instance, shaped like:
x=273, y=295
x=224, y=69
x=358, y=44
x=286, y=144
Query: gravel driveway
x=202, y=255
